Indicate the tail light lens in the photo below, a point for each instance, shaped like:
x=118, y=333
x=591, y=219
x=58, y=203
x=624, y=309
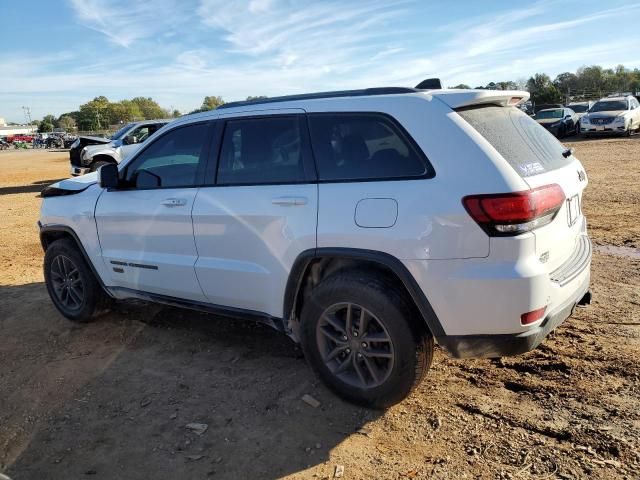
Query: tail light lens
x=505, y=214
x=532, y=317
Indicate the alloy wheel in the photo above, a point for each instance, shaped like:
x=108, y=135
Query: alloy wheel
x=355, y=345
x=67, y=283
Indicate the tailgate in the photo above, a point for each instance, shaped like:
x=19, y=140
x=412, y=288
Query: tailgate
x=559, y=240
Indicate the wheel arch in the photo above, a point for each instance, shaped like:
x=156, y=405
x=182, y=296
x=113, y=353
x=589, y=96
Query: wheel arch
x=313, y=265
x=103, y=157
x=51, y=233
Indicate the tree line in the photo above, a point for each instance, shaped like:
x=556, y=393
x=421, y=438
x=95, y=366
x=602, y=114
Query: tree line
x=587, y=83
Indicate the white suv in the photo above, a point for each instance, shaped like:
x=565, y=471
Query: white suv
x=363, y=224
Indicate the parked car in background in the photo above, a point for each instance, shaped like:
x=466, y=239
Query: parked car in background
x=364, y=224
x=112, y=150
x=4, y=145
x=20, y=138
x=546, y=106
x=581, y=108
x=559, y=121
x=612, y=115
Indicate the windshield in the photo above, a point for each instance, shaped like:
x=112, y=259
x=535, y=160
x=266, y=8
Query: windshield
x=528, y=147
x=579, y=108
x=544, y=114
x=609, y=106
x=120, y=133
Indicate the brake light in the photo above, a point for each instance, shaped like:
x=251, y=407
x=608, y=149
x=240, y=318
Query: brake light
x=532, y=317
x=514, y=213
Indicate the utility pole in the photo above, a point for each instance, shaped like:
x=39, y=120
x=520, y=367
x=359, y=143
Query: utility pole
x=27, y=114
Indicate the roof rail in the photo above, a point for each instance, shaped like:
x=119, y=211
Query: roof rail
x=313, y=96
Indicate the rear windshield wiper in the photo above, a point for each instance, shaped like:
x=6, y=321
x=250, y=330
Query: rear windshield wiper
x=567, y=153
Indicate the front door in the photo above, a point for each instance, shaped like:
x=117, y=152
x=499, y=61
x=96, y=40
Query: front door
x=260, y=215
x=145, y=228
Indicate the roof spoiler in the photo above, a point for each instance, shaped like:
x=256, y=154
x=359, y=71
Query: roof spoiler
x=471, y=98
x=430, y=84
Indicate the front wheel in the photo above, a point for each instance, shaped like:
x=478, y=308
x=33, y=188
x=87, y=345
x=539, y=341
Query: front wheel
x=364, y=339
x=577, y=131
x=73, y=288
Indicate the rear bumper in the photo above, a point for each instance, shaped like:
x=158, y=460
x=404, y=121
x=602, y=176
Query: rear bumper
x=504, y=345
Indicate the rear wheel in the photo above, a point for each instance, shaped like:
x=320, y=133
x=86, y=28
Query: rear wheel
x=73, y=288
x=363, y=338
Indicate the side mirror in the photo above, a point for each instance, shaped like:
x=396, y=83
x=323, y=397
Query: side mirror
x=108, y=176
x=130, y=140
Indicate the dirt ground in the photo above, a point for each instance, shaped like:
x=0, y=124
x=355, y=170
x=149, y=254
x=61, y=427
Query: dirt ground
x=112, y=399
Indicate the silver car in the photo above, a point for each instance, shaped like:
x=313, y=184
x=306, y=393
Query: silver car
x=612, y=115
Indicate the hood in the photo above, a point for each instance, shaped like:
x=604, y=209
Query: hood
x=96, y=139
x=616, y=113
x=71, y=185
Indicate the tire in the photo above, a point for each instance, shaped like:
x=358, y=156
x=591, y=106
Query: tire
x=97, y=164
x=577, y=129
x=379, y=373
x=630, y=129
x=65, y=269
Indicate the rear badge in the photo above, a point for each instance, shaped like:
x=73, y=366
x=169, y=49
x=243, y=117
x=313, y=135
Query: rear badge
x=544, y=258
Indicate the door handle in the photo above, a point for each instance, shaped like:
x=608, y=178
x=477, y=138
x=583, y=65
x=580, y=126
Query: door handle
x=289, y=201
x=174, y=202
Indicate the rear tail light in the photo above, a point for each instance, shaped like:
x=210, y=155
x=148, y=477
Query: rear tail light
x=532, y=317
x=504, y=214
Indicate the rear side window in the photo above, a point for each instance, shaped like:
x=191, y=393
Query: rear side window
x=262, y=150
x=362, y=146
x=528, y=147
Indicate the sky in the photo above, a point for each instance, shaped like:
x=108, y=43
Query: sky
x=58, y=54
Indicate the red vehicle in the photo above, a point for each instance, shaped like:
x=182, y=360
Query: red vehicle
x=20, y=138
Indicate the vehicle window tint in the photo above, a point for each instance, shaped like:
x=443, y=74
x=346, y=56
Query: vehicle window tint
x=362, y=146
x=528, y=147
x=262, y=150
x=171, y=160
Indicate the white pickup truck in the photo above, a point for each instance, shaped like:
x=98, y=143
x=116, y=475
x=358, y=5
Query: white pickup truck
x=122, y=144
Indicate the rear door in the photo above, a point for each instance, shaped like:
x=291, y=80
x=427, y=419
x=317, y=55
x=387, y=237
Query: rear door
x=145, y=229
x=259, y=212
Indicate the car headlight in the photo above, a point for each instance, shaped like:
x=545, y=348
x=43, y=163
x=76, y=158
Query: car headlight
x=584, y=119
x=619, y=120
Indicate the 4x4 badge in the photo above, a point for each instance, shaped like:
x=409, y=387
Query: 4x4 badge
x=581, y=176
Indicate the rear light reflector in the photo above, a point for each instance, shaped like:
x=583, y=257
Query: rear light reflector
x=503, y=214
x=532, y=317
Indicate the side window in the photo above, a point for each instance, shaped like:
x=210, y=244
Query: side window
x=173, y=160
x=361, y=146
x=262, y=150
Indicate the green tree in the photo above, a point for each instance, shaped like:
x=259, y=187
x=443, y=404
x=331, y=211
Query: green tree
x=211, y=103
x=45, y=126
x=176, y=113
x=462, y=86
x=256, y=97
x=67, y=122
x=542, y=90
x=93, y=115
x=149, y=108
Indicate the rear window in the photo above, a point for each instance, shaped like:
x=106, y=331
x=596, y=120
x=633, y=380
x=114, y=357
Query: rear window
x=528, y=147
